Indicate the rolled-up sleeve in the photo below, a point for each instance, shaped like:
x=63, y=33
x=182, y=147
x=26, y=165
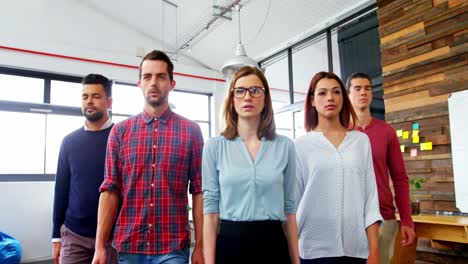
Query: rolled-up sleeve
x=372, y=210
x=290, y=182
x=195, y=162
x=210, y=178
x=113, y=169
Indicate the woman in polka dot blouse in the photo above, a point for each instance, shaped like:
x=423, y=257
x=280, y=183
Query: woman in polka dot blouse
x=338, y=209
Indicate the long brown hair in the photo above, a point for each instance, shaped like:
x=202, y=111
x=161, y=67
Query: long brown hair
x=267, y=126
x=347, y=113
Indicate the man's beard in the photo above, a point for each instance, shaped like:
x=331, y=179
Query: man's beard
x=160, y=101
x=96, y=116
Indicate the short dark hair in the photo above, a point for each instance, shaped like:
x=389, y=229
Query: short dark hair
x=347, y=114
x=94, y=78
x=356, y=75
x=159, y=55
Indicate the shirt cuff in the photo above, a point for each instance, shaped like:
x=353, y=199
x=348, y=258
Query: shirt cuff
x=55, y=240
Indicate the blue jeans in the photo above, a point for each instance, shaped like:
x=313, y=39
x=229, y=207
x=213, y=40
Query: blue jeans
x=175, y=257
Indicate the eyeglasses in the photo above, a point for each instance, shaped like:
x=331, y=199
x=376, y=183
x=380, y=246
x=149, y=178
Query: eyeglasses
x=254, y=91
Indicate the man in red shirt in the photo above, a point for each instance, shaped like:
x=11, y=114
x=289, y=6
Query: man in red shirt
x=151, y=159
x=387, y=158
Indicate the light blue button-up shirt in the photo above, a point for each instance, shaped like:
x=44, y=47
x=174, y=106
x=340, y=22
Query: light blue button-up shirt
x=242, y=189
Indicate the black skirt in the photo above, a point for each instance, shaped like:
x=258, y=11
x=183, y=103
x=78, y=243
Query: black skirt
x=251, y=242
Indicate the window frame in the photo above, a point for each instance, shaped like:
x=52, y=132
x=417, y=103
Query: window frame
x=46, y=108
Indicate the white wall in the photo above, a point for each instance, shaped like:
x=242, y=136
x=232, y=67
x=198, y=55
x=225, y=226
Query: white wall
x=59, y=27
x=27, y=216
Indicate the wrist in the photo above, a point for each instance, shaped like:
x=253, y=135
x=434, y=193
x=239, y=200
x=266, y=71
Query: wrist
x=198, y=244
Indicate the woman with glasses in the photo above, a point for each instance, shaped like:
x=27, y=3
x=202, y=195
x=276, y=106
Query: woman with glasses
x=338, y=211
x=249, y=183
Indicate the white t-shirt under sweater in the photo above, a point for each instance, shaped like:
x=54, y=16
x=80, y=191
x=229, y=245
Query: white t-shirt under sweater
x=337, y=195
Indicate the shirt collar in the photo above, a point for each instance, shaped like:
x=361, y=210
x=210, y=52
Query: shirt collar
x=371, y=124
x=163, y=118
x=107, y=124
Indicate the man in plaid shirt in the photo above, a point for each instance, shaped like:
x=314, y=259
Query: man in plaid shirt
x=151, y=159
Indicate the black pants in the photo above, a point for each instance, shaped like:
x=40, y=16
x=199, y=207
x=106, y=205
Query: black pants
x=337, y=260
x=251, y=242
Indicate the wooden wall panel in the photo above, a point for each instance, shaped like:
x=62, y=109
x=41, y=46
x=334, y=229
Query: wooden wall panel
x=424, y=47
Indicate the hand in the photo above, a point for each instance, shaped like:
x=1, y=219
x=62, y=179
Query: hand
x=373, y=259
x=197, y=256
x=100, y=256
x=407, y=236
x=56, y=248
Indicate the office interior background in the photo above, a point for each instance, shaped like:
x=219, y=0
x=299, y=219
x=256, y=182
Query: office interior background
x=415, y=51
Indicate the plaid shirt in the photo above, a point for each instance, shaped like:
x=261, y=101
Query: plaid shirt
x=150, y=162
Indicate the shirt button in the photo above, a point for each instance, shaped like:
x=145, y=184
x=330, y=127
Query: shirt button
x=151, y=204
x=155, y=130
x=154, y=165
x=147, y=244
x=154, y=146
x=152, y=185
x=150, y=225
x=156, y=119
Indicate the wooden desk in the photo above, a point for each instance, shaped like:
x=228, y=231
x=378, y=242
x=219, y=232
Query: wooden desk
x=437, y=227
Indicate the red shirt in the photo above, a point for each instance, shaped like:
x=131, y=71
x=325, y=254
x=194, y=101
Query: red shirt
x=387, y=157
x=150, y=162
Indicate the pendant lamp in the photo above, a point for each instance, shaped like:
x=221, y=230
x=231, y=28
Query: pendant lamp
x=241, y=59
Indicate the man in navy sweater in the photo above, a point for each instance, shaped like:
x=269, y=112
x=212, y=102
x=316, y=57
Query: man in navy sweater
x=80, y=172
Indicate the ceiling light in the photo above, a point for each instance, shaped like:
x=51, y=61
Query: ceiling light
x=241, y=59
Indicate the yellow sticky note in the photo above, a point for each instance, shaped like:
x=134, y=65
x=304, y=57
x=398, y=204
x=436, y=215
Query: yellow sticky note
x=415, y=133
x=416, y=139
x=405, y=134
x=402, y=148
x=399, y=133
x=428, y=145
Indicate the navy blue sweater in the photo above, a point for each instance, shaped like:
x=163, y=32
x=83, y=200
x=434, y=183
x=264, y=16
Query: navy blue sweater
x=80, y=172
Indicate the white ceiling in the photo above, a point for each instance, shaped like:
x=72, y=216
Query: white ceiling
x=267, y=25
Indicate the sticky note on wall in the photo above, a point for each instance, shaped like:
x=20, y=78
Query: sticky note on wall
x=405, y=134
x=415, y=133
x=414, y=152
x=415, y=126
x=399, y=133
x=415, y=139
x=402, y=148
x=426, y=146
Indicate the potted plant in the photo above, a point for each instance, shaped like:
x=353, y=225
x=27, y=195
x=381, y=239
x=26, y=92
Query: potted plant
x=415, y=185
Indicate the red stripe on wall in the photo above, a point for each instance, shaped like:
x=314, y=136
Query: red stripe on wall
x=102, y=62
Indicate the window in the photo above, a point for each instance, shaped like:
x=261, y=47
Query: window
x=39, y=111
x=127, y=99
x=205, y=129
x=21, y=89
x=308, y=59
x=23, y=143
x=187, y=104
x=299, y=128
x=284, y=124
x=65, y=93
x=193, y=106
x=58, y=126
x=277, y=75
x=118, y=118
x=336, y=53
